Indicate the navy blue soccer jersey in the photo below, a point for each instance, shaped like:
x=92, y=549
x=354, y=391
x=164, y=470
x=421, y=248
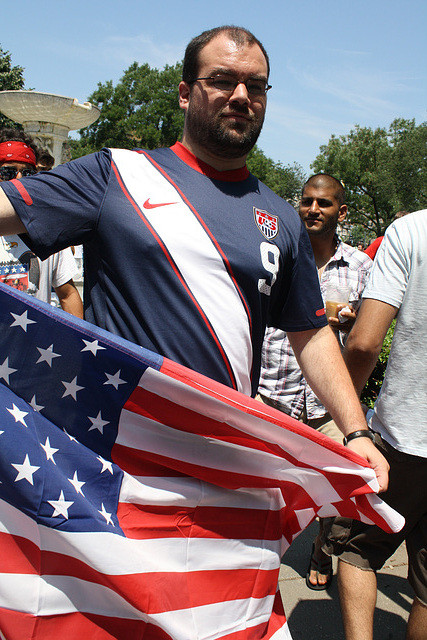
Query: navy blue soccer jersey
x=186, y=261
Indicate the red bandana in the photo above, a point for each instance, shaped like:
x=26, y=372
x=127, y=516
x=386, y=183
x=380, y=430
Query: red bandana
x=15, y=151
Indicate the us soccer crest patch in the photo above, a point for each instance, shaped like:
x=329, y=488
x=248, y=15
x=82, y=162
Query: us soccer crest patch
x=267, y=223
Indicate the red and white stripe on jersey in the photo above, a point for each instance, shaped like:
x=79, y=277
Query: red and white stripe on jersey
x=211, y=285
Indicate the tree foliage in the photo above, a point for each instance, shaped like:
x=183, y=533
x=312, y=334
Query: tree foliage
x=375, y=381
x=11, y=78
x=285, y=180
x=140, y=111
x=384, y=171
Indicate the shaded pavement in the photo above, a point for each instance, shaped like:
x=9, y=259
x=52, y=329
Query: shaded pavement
x=316, y=614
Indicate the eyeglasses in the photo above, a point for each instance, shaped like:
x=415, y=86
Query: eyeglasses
x=228, y=84
x=10, y=173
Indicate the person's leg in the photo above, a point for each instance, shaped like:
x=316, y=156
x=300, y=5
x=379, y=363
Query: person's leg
x=417, y=623
x=320, y=570
x=416, y=546
x=319, y=574
x=328, y=427
x=358, y=596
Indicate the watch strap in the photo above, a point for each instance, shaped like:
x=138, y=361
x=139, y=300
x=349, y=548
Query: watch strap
x=362, y=433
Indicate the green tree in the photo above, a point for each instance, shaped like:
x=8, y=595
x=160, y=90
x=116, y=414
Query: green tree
x=375, y=381
x=384, y=171
x=285, y=180
x=11, y=78
x=140, y=111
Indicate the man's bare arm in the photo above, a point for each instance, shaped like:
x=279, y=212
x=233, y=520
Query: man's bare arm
x=70, y=299
x=321, y=362
x=10, y=222
x=364, y=343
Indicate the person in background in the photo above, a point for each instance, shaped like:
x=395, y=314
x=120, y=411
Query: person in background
x=45, y=161
x=396, y=289
x=282, y=384
x=19, y=266
x=372, y=249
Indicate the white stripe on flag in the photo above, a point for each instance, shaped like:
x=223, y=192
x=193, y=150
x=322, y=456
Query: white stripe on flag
x=144, y=434
x=190, y=492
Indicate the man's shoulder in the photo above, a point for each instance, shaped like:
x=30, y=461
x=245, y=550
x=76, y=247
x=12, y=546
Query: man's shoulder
x=139, y=156
x=277, y=201
x=150, y=152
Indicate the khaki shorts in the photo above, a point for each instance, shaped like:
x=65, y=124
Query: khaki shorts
x=368, y=546
x=324, y=425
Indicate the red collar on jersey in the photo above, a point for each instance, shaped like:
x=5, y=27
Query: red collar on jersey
x=235, y=175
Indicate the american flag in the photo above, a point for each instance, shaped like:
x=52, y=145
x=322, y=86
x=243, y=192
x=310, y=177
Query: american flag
x=140, y=500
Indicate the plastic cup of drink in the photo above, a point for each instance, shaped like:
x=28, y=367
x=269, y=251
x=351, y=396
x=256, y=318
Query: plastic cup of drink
x=336, y=296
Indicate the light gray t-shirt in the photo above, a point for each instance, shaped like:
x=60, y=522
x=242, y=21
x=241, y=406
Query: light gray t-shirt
x=399, y=278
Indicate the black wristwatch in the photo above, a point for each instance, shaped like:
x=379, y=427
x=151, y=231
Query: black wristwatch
x=363, y=433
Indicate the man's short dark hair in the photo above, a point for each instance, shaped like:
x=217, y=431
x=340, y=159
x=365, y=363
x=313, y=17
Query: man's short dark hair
x=239, y=35
x=401, y=214
x=18, y=135
x=45, y=160
x=323, y=179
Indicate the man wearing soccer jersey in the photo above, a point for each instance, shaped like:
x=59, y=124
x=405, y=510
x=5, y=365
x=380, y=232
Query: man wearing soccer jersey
x=186, y=252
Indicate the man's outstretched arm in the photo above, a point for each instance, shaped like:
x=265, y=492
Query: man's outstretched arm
x=366, y=338
x=10, y=222
x=321, y=362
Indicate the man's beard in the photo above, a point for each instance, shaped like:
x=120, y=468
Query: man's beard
x=328, y=225
x=219, y=135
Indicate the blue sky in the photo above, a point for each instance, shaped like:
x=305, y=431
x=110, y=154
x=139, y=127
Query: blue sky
x=335, y=63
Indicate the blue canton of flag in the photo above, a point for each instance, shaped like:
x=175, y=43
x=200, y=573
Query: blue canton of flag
x=57, y=389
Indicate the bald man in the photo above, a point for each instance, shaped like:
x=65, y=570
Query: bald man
x=282, y=384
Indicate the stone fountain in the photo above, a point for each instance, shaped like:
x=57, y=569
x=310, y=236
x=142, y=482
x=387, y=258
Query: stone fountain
x=48, y=117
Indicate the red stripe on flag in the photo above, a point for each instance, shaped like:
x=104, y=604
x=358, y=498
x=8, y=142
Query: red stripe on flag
x=136, y=463
x=146, y=591
x=18, y=555
x=150, y=521
x=76, y=626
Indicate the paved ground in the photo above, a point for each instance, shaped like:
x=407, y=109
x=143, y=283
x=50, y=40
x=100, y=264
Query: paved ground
x=316, y=614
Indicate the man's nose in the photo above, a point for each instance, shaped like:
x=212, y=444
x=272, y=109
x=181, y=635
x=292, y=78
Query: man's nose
x=314, y=206
x=240, y=93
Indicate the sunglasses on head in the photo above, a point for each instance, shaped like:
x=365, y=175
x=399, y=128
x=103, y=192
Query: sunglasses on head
x=10, y=173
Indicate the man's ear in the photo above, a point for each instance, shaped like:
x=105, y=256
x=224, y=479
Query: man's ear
x=184, y=94
x=342, y=213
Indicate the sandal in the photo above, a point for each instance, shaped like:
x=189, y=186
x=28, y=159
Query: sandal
x=324, y=567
